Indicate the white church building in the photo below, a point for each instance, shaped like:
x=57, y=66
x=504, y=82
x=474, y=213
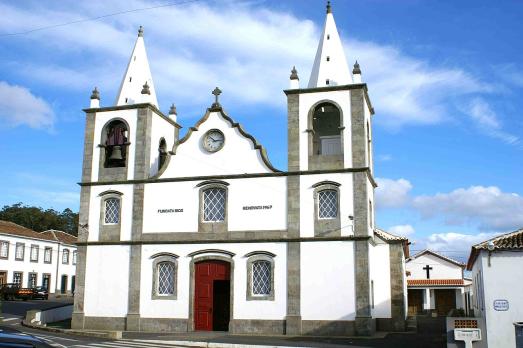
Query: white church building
x=178, y=234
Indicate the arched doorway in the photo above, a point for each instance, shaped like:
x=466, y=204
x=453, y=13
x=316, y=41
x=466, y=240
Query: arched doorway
x=212, y=295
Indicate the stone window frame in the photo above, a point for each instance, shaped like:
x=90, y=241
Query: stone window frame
x=213, y=226
x=34, y=247
x=74, y=257
x=50, y=250
x=6, y=242
x=113, y=173
x=29, y=279
x=326, y=227
x=65, y=261
x=22, y=246
x=251, y=259
x=157, y=259
x=21, y=277
x=109, y=232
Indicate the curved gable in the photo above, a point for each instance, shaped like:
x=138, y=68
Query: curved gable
x=241, y=152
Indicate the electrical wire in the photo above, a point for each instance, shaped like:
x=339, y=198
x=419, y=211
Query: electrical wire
x=176, y=3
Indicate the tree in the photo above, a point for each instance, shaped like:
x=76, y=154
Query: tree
x=38, y=219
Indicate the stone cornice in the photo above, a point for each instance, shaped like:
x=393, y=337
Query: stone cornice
x=235, y=176
x=334, y=88
x=133, y=106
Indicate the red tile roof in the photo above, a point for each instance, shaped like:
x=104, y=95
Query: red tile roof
x=435, y=282
x=8, y=227
x=388, y=236
x=507, y=241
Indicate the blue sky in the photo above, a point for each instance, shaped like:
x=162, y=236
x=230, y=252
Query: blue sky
x=445, y=79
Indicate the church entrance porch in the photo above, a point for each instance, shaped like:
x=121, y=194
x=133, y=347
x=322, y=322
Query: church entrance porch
x=445, y=300
x=212, y=295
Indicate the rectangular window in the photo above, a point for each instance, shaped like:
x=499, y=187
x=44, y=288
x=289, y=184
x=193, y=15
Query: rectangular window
x=4, y=249
x=46, y=280
x=327, y=204
x=31, y=280
x=214, y=205
x=34, y=253
x=65, y=256
x=48, y=252
x=74, y=257
x=19, y=253
x=17, y=277
x=165, y=278
x=261, y=278
x=112, y=211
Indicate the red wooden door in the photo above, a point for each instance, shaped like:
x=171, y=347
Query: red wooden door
x=206, y=273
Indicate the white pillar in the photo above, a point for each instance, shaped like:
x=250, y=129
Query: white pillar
x=426, y=301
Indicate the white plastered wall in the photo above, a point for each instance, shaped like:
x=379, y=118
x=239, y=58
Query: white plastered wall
x=441, y=269
x=238, y=155
x=242, y=309
x=107, y=272
x=130, y=116
x=379, y=264
x=327, y=281
x=160, y=128
x=183, y=198
x=306, y=102
x=126, y=215
x=346, y=208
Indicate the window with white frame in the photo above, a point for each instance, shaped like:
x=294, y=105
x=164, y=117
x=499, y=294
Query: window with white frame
x=327, y=204
x=164, y=276
x=34, y=253
x=48, y=251
x=17, y=277
x=214, y=204
x=4, y=249
x=19, y=252
x=65, y=256
x=75, y=255
x=260, y=277
x=112, y=211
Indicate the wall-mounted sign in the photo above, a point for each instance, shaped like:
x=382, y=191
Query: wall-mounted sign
x=257, y=207
x=501, y=305
x=166, y=211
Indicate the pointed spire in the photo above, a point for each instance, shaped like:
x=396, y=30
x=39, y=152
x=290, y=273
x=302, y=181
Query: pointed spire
x=132, y=87
x=95, y=99
x=330, y=65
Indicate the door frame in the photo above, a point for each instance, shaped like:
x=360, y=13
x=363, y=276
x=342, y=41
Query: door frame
x=197, y=259
x=6, y=274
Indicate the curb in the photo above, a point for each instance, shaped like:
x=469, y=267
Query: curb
x=115, y=335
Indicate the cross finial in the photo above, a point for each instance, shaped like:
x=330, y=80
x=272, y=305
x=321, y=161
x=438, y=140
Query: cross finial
x=216, y=94
x=140, y=31
x=329, y=9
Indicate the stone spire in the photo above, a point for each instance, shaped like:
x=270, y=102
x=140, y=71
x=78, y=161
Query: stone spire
x=137, y=78
x=330, y=65
x=356, y=73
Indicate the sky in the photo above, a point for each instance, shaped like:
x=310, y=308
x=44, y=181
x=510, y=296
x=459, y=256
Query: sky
x=445, y=78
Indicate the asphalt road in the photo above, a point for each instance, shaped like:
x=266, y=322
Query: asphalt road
x=14, y=311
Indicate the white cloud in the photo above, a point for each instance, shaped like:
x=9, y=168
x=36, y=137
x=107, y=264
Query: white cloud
x=402, y=230
x=18, y=106
x=384, y=158
x=488, y=122
x=488, y=207
x=392, y=193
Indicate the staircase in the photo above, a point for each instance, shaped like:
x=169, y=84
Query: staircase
x=412, y=323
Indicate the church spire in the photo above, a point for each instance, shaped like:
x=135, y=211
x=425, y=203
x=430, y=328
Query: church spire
x=330, y=66
x=137, y=76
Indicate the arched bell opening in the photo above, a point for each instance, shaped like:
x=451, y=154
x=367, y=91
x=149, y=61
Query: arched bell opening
x=115, y=143
x=326, y=130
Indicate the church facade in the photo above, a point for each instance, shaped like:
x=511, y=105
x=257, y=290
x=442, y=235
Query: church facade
x=201, y=232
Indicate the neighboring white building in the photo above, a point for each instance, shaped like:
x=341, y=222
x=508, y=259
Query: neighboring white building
x=203, y=233
x=497, y=269
x=37, y=258
x=435, y=283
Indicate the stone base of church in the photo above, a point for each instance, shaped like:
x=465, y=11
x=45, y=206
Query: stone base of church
x=365, y=326
x=390, y=325
x=236, y=326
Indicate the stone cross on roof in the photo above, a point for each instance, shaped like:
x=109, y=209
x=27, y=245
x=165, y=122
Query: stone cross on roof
x=216, y=103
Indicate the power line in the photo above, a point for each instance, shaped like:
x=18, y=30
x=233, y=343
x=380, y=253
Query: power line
x=176, y=3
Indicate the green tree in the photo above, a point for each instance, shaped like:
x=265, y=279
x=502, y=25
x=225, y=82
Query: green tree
x=38, y=219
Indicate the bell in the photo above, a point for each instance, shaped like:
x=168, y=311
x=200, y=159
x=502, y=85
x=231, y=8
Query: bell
x=116, y=153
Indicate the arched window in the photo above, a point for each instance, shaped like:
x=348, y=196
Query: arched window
x=214, y=204
x=326, y=127
x=115, y=144
x=327, y=204
x=162, y=153
x=112, y=211
x=164, y=276
x=260, y=276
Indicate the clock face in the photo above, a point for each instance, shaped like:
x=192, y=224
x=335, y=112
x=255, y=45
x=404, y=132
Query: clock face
x=213, y=140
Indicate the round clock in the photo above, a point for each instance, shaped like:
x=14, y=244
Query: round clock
x=213, y=140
